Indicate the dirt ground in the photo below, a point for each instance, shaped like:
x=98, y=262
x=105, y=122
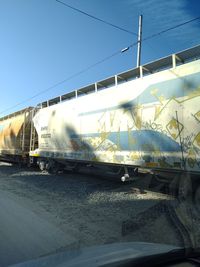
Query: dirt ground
x=95, y=210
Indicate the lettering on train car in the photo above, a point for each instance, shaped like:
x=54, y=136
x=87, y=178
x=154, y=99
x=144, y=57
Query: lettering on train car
x=44, y=128
x=46, y=135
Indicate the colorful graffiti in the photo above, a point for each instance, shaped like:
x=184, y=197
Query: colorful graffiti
x=160, y=127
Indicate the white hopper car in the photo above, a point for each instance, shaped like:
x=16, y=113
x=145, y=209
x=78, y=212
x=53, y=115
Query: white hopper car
x=147, y=117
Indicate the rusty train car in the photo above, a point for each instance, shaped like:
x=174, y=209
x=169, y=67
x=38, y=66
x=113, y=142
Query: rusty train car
x=15, y=132
x=146, y=117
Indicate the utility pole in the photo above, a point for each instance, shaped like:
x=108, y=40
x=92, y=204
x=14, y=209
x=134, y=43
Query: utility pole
x=139, y=42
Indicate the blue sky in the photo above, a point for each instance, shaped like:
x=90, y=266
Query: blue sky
x=43, y=42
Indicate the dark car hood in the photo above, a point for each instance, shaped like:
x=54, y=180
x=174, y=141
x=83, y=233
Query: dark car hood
x=109, y=254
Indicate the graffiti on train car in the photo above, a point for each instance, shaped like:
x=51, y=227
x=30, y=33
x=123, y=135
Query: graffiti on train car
x=159, y=134
x=153, y=121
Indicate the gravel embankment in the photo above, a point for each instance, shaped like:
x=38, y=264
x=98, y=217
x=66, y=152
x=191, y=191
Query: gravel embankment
x=95, y=211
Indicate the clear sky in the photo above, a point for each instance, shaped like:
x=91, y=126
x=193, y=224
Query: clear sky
x=44, y=42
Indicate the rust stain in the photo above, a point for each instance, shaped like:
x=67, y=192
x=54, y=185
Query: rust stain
x=10, y=133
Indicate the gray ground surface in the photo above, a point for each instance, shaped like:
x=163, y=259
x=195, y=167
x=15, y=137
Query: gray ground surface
x=42, y=213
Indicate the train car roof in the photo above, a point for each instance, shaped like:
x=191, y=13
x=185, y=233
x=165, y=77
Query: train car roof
x=167, y=62
x=16, y=113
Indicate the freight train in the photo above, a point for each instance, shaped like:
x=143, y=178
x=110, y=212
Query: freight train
x=146, y=117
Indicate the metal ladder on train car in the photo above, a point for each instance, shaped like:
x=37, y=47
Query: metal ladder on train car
x=33, y=134
x=25, y=135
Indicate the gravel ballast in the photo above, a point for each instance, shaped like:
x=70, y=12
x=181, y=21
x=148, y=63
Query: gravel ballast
x=94, y=210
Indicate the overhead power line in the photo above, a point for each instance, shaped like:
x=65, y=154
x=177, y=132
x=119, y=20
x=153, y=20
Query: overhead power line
x=63, y=81
x=164, y=31
x=96, y=18
x=171, y=28
x=99, y=62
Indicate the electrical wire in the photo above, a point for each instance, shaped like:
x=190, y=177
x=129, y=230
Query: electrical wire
x=99, y=62
x=171, y=28
x=101, y=20
x=63, y=81
x=96, y=18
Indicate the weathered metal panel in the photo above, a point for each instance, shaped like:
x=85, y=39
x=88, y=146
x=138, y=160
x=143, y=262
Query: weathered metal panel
x=15, y=133
x=152, y=121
